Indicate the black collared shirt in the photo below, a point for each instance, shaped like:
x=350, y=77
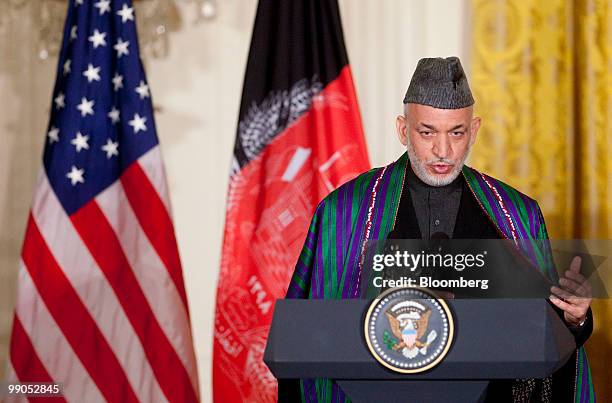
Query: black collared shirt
x=436, y=207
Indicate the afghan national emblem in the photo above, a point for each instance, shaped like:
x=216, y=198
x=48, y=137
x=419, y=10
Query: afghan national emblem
x=409, y=330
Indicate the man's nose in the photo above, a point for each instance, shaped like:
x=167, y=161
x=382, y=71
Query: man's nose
x=441, y=146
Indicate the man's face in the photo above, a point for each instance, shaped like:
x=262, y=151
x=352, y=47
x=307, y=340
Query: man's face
x=438, y=140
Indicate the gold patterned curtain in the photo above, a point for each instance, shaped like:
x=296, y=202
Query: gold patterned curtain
x=542, y=78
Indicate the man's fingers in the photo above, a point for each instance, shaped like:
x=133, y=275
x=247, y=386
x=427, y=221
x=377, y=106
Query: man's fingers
x=572, y=278
x=580, y=290
x=576, y=276
x=584, y=291
x=570, y=298
x=563, y=294
x=575, y=264
x=560, y=303
x=569, y=285
x=574, y=295
x=572, y=310
x=571, y=317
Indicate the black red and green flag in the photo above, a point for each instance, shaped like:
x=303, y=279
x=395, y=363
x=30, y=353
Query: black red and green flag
x=299, y=137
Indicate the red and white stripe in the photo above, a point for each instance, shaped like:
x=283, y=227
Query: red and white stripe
x=101, y=302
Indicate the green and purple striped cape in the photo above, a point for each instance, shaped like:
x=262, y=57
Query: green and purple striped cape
x=365, y=209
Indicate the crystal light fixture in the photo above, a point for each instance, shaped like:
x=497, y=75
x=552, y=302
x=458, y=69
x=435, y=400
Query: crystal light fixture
x=156, y=19
x=207, y=9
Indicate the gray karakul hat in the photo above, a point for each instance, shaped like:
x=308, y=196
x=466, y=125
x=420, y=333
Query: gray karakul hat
x=440, y=83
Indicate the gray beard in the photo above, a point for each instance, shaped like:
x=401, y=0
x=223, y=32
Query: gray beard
x=420, y=169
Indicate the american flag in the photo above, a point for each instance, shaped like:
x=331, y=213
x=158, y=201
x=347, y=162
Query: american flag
x=101, y=305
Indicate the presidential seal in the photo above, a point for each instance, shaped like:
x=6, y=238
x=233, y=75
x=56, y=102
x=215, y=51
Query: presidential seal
x=409, y=330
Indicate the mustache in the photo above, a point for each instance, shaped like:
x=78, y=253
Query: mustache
x=440, y=161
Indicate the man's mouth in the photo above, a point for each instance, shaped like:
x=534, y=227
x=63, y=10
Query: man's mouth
x=441, y=169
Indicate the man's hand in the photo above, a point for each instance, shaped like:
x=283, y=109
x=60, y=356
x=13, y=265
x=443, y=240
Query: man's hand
x=574, y=298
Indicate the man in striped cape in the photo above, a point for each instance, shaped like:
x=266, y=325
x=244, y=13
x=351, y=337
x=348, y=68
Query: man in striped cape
x=429, y=191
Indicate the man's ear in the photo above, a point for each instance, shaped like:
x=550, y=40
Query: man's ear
x=474, y=129
x=401, y=127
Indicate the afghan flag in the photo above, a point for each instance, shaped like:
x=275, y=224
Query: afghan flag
x=299, y=137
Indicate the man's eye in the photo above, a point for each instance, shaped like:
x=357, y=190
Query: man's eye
x=426, y=133
x=457, y=133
